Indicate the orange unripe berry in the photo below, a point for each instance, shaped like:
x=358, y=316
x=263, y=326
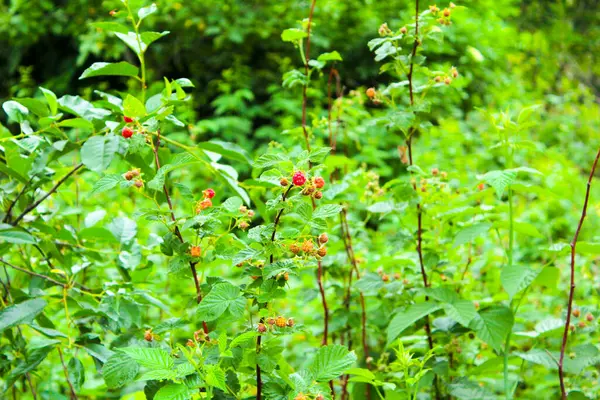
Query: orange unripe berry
x=261, y=328
x=243, y=209
x=397, y=276
x=300, y=396
x=438, y=78
x=443, y=277
x=286, y=276
x=454, y=72
x=589, y=317
x=190, y=343
x=576, y=313
x=481, y=186
x=446, y=12
x=476, y=304
x=319, y=182
x=290, y=322
x=385, y=277
x=447, y=81
x=284, y=182
x=243, y=225
x=318, y=195
x=307, y=246
x=371, y=93
x=138, y=184
x=403, y=30
x=280, y=322
x=294, y=248
x=435, y=171
x=271, y=321
x=203, y=205
x=128, y=175
x=250, y=213
x=195, y=251
x=581, y=324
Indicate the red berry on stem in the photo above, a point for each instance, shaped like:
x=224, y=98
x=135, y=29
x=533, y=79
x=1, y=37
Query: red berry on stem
x=127, y=132
x=128, y=119
x=209, y=193
x=299, y=178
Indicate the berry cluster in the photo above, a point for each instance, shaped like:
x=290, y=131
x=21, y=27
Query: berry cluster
x=444, y=15
x=199, y=337
x=127, y=131
x=206, y=202
x=438, y=180
x=302, y=396
x=134, y=173
x=273, y=323
x=308, y=246
x=386, y=277
x=310, y=187
x=244, y=222
x=447, y=78
x=582, y=323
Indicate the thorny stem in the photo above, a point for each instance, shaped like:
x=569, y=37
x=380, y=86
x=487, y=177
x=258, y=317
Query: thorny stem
x=177, y=232
x=12, y=204
x=416, y=44
x=271, y=260
x=54, y=188
x=62, y=361
x=572, y=288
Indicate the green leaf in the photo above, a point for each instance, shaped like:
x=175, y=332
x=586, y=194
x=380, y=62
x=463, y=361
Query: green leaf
x=111, y=26
x=110, y=69
x=15, y=111
x=151, y=358
x=332, y=56
x=51, y=100
x=16, y=236
x=227, y=149
x=470, y=233
x=331, y=362
x=460, y=310
x=133, y=108
x=327, y=210
x=173, y=391
x=223, y=297
x=464, y=389
x=123, y=229
x=105, y=183
x=293, y=35
x=179, y=161
x=492, y=325
x=516, y=278
x=98, y=151
x=409, y=316
x=146, y=11
x=76, y=372
x=268, y=160
x=215, y=376
x=21, y=313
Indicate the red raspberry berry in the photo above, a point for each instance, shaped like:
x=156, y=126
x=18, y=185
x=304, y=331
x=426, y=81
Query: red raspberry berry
x=128, y=119
x=319, y=182
x=209, y=193
x=299, y=178
x=127, y=132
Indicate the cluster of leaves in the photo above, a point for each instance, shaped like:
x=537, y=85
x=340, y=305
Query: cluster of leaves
x=383, y=244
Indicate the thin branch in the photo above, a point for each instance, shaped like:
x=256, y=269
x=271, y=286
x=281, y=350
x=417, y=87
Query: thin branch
x=62, y=361
x=177, y=232
x=47, y=278
x=572, y=288
x=12, y=204
x=54, y=189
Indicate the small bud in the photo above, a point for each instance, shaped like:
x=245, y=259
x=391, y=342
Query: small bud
x=128, y=175
x=190, y=343
x=138, y=184
x=243, y=209
x=322, y=252
x=443, y=277
x=318, y=195
x=112, y=13
x=572, y=327
x=438, y=79
x=446, y=12
x=371, y=93
x=271, y=321
x=203, y=205
x=435, y=171
x=433, y=9
x=284, y=182
x=369, y=360
x=290, y=322
x=451, y=5
x=323, y=238
x=447, y=80
x=476, y=304
x=481, y=186
x=262, y=328
x=444, y=175
x=280, y=322
x=286, y=276
x=403, y=30
x=195, y=251
x=250, y=213
x=576, y=313
x=384, y=30
x=385, y=278
x=127, y=132
x=454, y=72
x=581, y=324
x=243, y=225
x=405, y=282
x=148, y=336
x=397, y=276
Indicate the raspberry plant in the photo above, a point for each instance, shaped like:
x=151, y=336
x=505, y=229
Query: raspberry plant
x=340, y=259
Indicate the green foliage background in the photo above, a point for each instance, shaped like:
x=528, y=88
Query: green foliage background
x=536, y=61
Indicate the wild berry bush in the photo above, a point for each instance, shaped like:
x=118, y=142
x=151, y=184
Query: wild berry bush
x=423, y=237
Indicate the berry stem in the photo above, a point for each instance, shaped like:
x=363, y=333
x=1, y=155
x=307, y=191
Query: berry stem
x=176, y=229
x=572, y=286
x=62, y=361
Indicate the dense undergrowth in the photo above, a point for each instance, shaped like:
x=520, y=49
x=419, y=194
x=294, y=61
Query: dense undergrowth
x=222, y=201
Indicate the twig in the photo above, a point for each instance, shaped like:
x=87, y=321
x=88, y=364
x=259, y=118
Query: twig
x=572, y=288
x=62, y=361
x=12, y=204
x=177, y=232
x=47, y=278
x=54, y=189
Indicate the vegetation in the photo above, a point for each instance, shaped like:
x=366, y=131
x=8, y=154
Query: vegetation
x=299, y=200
